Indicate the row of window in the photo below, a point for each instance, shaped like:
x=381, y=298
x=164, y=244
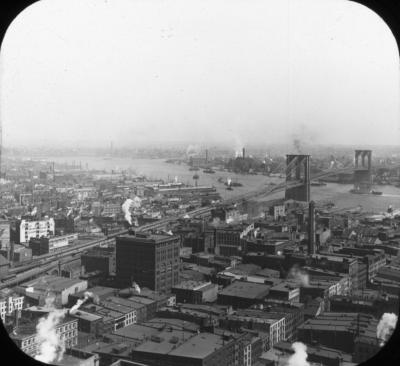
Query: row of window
x=68, y=335
x=66, y=327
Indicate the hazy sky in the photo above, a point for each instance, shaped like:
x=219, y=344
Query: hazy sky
x=236, y=71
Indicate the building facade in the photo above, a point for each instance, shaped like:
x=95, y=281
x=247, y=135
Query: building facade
x=34, y=229
x=151, y=261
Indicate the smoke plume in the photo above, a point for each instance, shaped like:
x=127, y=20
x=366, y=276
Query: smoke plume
x=193, y=150
x=51, y=347
x=79, y=303
x=385, y=327
x=34, y=211
x=136, y=287
x=299, y=357
x=229, y=181
x=127, y=205
x=300, y=276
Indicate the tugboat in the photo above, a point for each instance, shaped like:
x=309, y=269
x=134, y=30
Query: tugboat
x=377, y=193
x=209, y=171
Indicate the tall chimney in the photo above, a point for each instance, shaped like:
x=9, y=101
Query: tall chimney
x=311, y=228
x=11, y=255
x=206, y=156
x=243, y=153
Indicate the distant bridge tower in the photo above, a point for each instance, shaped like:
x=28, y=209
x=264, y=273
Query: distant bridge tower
x=363, y=171
x=298, y=178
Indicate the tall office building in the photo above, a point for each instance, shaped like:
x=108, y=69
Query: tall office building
x=151, y=261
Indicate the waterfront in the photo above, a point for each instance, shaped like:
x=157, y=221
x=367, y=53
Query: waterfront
x=159, y=169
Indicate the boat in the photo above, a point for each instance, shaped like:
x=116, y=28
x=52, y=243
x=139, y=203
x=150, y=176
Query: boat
x=209, y=171
x=317, y=183
x=377, y=193
x=195, y=168
x=229, y=188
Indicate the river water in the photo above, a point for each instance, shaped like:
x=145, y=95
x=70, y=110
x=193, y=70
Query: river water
x=159, y=169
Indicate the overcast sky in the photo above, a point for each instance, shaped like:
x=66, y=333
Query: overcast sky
x=204, y=71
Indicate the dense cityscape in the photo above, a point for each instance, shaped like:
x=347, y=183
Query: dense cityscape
x=245, y=261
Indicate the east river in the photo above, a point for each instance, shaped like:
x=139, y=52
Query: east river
x=159, y=169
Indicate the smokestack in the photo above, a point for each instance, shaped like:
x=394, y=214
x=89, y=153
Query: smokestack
x=244, y=153
x=11, y=258
x=311, y=228
x=206, y=155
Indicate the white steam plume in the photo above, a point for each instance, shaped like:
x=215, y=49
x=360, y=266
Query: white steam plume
x=51, y=347
x=79, y=303
x=136, y=287
x=229, y=181
x=126, y=209
x=34, y=211
x=126, y=206
x=193, y=150
x=301, y=277
x=299, y=357
x=385, y=327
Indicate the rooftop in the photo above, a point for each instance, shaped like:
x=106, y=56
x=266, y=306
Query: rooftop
x=53, y=283
x=199, y=346
x=84, y=315
x=193, y=285
x=247, y=290
x=146, y=238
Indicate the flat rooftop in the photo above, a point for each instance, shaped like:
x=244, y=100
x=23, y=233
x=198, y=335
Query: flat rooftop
x=54, y=283
x=247, y=290
x=199, y=346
